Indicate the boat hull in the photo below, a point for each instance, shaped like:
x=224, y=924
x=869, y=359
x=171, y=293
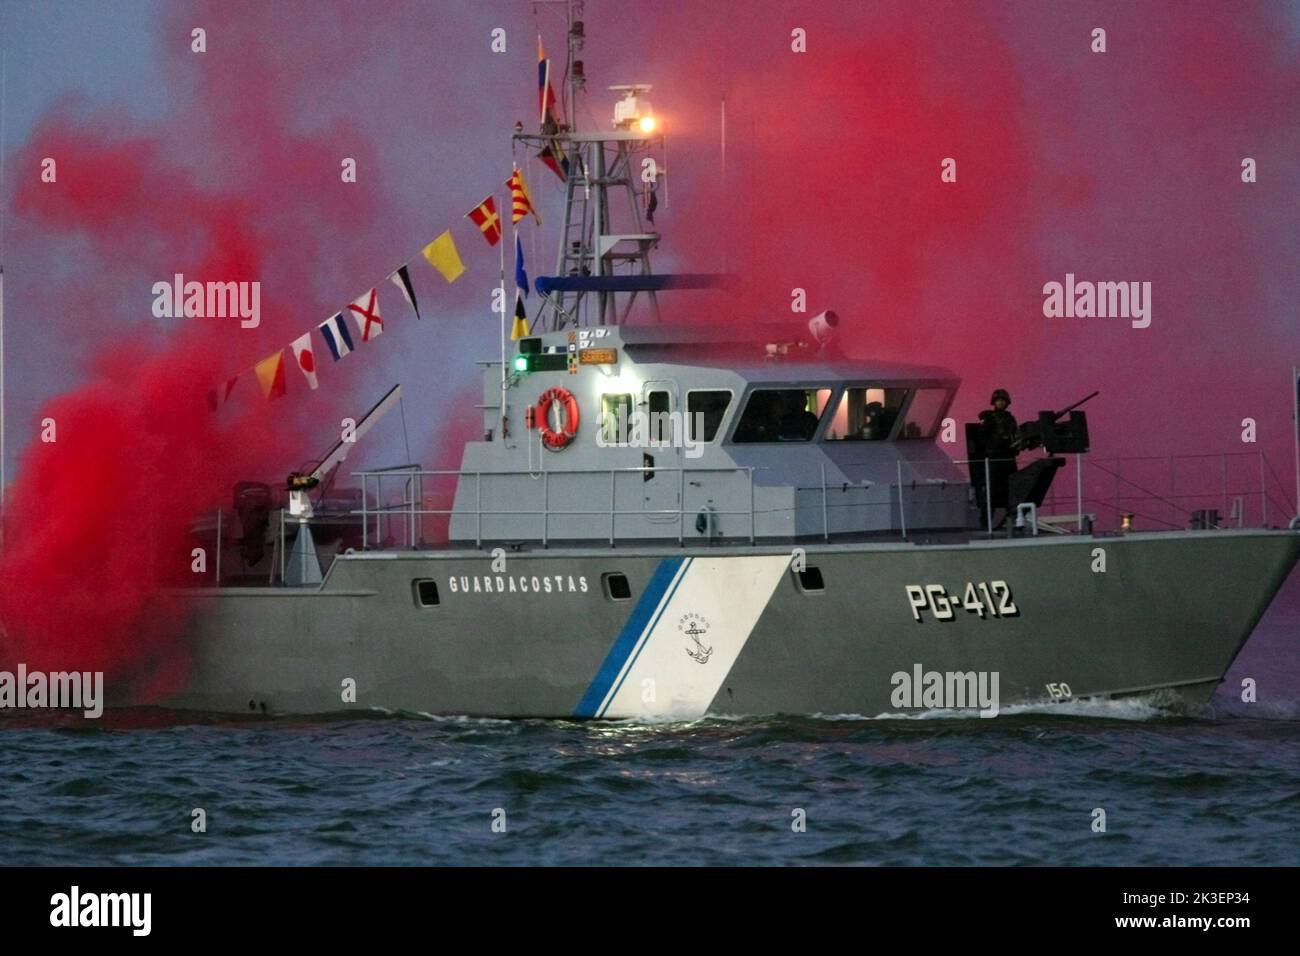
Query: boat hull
x=738, y=631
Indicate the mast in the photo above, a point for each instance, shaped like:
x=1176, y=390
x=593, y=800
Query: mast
x=603, y=260
x=575, y=80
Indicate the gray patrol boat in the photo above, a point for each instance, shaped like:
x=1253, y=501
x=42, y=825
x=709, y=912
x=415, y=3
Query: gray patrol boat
x=662, y=521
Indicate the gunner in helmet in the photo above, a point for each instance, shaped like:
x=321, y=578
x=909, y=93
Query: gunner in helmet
x=999, y=426
x=1001, y=443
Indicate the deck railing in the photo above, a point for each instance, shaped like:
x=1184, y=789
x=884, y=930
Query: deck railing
x=1154, y=492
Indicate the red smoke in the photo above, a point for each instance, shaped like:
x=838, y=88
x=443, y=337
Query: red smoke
x=98, y=531
x=99, y=516
x=1115, y=166
x=1123, y=165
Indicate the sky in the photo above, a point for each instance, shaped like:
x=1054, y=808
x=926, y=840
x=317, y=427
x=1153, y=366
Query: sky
x=1111, y=166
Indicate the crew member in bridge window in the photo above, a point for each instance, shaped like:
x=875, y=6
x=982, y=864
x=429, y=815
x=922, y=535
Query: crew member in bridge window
x=873, y=422
x=796, y=423
x=866, y=414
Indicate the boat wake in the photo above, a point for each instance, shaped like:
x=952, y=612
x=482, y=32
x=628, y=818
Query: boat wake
x=1154, y=706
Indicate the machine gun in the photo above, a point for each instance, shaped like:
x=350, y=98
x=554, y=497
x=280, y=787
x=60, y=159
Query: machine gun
x=1068, y=437
x=1063, y=432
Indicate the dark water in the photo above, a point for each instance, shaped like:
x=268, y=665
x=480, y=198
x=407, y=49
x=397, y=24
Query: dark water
x=1018, y=789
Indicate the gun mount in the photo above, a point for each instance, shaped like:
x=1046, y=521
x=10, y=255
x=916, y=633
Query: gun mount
x=998, y=482
x=1068, y=437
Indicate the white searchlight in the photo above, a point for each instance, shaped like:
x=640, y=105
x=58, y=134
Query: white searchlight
x=823, y=326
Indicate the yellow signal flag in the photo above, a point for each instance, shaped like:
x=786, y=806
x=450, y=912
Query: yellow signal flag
x=520, y=198
x=519, y=330
x=270, y=374
x=442, y=255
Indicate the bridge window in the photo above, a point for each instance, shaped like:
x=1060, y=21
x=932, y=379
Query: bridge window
x=866, y=414
x=704, y=410
x=615, y=418
x=922, y=419
x=782, y=414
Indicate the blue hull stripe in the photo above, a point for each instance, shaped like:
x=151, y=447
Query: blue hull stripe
x=645, y=641
x=628, y=638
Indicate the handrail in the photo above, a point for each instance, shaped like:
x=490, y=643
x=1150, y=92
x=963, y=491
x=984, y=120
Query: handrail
x=1236, y=492
x=411, y=505
x=408, y=506
x=988, y=484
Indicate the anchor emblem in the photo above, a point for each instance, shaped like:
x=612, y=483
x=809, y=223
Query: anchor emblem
x=697, y=629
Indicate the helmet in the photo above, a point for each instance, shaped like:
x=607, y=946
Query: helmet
x=1002, y=394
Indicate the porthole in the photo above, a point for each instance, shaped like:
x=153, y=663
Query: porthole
x=616, y=586
x=426, y=592
x=810, y=580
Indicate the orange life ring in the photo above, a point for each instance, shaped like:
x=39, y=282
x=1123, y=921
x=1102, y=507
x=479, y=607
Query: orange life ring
x=552, y=439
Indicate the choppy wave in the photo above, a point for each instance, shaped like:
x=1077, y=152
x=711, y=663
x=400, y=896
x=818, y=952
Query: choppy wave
x=941, y=789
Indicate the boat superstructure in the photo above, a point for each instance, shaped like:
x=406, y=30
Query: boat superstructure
x=665, y=519
x=684, y=437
